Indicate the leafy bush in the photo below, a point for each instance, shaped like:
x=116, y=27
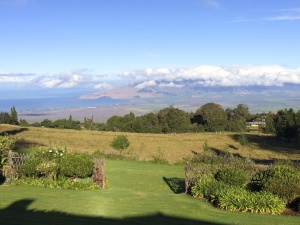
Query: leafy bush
x=120, y=142
x=76, y=165
x=239, y=199
x=49, y=169
x=206, y=146
x=208, y=188
x=210, y=163
x=29, y=168
x=232, y=176
x=283, y=181
x=243, y=140
x=51, y=154
x=6, y=143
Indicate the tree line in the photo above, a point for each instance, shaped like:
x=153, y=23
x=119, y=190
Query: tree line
x=210, y=117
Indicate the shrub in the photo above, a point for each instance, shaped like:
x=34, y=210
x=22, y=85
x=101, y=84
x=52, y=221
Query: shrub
x=208, y=188
x=205, y=146
x=49, y=155
x=120, y=142
x=243, y=140
x=29, y=168
x=6, y=143
x=49, y=169
x=239, y=199
x=232, y=176
x=76, y=165
x=283, y=181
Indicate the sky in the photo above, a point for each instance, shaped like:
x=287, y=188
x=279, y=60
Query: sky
x=98, y=44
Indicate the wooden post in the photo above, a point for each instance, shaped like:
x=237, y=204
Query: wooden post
x=99, y=172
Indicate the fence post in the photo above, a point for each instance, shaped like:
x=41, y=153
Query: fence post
x=99, y=172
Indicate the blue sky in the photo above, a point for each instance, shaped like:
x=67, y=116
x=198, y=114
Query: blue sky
x=93, y=44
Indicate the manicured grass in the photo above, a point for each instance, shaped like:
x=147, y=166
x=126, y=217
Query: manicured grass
x=138, y=194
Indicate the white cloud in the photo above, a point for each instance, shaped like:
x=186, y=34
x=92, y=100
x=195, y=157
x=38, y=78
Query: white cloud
x=171, y=84
x=218, y=76
x=15, y=77
x=145, y=84
x=103, y=86
x=63, y=80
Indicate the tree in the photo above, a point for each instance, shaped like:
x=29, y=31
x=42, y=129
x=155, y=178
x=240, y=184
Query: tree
x=212, y=116
x=270, y=126
x=47, y=123
x=286, y=124
x=173, y=119
x=120, y=142
x=237, y=118
x=24, y=123
x=14, y=116
x=4, y=117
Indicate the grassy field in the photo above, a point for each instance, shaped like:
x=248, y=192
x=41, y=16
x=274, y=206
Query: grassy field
x=139, y=193
x=172, y=147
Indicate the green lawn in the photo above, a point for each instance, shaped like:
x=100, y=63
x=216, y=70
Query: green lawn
x=138, y=194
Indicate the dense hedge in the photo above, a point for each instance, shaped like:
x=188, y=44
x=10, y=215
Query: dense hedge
x=76, y=165
x=269, y=190
x=55, y=168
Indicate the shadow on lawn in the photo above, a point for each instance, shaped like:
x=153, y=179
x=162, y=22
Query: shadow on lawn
x=17, y=213
x=177, y=185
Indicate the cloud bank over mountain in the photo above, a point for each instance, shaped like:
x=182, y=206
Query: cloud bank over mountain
x=201, y=76
x=211, y=76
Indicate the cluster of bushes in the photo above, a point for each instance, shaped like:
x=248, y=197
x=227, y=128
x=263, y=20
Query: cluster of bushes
x=56, y=168
x=237, y=184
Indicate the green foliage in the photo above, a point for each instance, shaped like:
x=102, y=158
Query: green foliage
x=243, y=140
x=51, y=154
x=62, y=123
x=173, y=120
x=232, y=176
x=208, y=187
x=287, y=124
x=212, y=116
x=60, y=183
x=43, y=163
x=76, y=165
x=120, y=142
x=238, y=199
x=205, y=146
x=283, y=181
x=14, y=116
x=159, y=159
x=24, y=123
x=6, y=143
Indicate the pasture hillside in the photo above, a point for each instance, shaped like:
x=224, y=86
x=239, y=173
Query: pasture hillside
x=172, y=147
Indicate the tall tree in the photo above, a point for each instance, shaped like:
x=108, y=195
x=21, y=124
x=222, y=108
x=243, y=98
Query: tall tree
x=285, y=124
x=14, y=116
x=212, y=116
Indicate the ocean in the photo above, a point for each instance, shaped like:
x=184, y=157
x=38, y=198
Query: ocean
x=24, y=100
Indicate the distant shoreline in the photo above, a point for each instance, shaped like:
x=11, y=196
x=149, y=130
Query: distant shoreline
x=99, y=114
